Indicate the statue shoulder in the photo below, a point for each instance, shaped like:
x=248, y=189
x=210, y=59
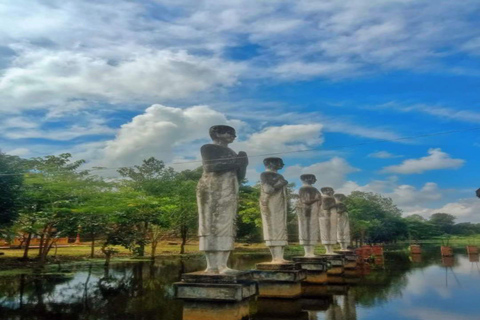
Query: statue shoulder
x=308, y=190
x=213, y=151
x=269, y=176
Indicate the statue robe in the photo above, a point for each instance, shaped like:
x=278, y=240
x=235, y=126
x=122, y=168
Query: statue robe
x=308, y=215
x=217, y=198
x=273, y=207
x=328, y=221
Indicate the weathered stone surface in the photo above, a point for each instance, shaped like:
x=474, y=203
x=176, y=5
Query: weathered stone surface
x=308, y=207
x=285, y=290
x=328, y=219
x=204, y=310
x=215, y=291
x=314, y=276
x=343, y=222
x=278, y=266
x=273, y=207
x=217, y=197
x=279, y=275
x=334, y=260
x=205, y=277
x=312, y=263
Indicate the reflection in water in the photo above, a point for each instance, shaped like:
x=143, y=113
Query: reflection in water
x=407, y=286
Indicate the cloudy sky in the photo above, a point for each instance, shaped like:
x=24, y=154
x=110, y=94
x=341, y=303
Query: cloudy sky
x=116, y=81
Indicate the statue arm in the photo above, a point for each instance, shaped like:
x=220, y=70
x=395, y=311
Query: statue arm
x=212, y=162
x=242, y=170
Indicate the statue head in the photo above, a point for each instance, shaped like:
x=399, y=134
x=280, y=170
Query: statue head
x=327, y=191
x=273, y=163
x=341, y=208
x=340, y=197
x=222, y=133
x=308, y=178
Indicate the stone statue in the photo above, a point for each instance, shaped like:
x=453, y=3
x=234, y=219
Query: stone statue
x=308, y=206
x=217, y=197
x=273, y=206
x=328, y=220
x=343, y=222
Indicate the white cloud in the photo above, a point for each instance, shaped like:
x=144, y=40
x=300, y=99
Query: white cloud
x=383, y=155
x=21, y=152
x=160, y=130
x=125, y=52
x=331, y=173
x=437, y=159
x=286, y=138
x=45, y=78
x=444, y=113
x=466, y=210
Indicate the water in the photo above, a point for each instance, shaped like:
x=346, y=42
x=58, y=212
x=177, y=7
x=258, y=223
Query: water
x=395, y=288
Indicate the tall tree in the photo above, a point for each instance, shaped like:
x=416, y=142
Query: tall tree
x=443, y=221
x=11, y=180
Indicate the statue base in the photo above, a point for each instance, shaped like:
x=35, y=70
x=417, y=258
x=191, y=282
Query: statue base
x=350, y=258
x=279, y=280
x=221, y=310
x=204, y=286
x=315, y=267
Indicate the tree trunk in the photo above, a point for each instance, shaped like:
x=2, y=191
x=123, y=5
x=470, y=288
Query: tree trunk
x=27, y=246
x=184, y=232
x=154, y=248
x=92, y=248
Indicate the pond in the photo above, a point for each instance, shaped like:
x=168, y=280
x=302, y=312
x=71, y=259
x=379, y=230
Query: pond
x=397, y=287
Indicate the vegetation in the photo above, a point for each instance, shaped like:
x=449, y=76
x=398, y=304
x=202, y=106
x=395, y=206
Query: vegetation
x=52, y=197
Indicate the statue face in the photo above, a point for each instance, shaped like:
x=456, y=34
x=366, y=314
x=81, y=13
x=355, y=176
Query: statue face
x=310, y=180
x=275, y=165
x=226, y=137
x=328, y=191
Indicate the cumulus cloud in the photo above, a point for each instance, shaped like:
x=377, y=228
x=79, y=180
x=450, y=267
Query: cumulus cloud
x=437, y=159
x=160, y=130
x=331, y=173
x=466, y=210
x=125, y=52
x=383, y=155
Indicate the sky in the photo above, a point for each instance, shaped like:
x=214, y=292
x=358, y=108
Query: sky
x=369, y=95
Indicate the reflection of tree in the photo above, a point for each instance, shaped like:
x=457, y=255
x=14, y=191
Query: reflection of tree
x=137, y=290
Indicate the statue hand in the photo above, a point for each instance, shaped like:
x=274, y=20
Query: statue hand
x=242, y=158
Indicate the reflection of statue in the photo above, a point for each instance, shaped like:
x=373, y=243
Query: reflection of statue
x=217, y=193
x=328, y=220
x=343, y=223
x=334, y=312
x=308, y=206
x=349, y=307
x=273, y=205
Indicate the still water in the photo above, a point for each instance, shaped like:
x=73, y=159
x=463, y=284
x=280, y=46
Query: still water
x=398, y=287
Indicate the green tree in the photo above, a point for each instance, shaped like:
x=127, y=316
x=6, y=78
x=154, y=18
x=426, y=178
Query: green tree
x=443, y=221
x=11, y=179
x=52, y=188
x=375, y=218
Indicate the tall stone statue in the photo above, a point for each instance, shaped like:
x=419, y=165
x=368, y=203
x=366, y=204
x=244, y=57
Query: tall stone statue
x=308, y=206
x=217, y=197
x=273, y=206
x=343, y=222
x=328, y=220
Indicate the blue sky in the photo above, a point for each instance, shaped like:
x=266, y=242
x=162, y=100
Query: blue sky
x=114, y=82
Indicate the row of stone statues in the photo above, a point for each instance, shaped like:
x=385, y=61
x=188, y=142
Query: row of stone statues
x=319, y=216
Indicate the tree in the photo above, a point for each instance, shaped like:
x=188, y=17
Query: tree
x=443, y=221
x=153, y=179
x=51, y=190
x=419, y=228
x=11, y=179
x=249, y=221
x=375, y=218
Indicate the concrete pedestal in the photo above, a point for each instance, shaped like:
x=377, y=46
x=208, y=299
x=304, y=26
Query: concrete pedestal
x=202, y=286
x=201, y=310
x=350, y=258
x=279, y=280
x=315, y=268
